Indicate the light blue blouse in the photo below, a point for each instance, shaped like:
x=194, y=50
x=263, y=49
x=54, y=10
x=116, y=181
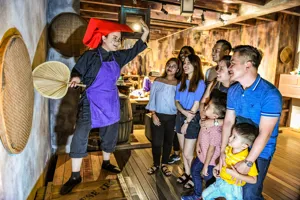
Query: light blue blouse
x=186, y=98
x=162, y=98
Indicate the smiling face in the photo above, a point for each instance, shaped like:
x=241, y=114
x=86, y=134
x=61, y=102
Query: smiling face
x=171, y=68
x=188, y=67
x=112, y=41
x=218, y=52
x=222, y=73
x=238, y=67
x=184, y=53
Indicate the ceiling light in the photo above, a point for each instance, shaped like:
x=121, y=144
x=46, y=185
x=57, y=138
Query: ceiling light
x=136, y=27
x=186, y=7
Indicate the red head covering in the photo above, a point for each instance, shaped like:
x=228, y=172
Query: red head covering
x=98, y=28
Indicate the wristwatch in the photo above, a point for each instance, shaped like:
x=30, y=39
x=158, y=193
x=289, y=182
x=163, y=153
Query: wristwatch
x=216, y=122
x=249, y=163
x=186, y=122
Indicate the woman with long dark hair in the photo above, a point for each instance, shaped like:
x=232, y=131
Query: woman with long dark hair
x=163, y=110
x=183, y=53
x=188, y=95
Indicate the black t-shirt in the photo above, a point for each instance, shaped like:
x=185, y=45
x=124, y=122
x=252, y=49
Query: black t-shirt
x=88, y=65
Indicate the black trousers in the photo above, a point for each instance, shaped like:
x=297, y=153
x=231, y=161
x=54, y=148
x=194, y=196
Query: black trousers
x=108, y=134
x=176, y=146
x=162, y=138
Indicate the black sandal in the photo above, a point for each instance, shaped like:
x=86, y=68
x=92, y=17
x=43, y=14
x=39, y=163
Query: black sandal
x=152, y=170
x=183, y=178
x=165, y=170
x=189, y=184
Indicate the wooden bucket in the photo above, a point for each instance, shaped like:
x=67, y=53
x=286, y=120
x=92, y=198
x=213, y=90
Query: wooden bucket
x=125, y=124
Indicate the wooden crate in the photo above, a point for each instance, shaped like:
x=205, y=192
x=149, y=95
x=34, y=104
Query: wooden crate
x=102, y=189
x=90, y=168
x=96, y=183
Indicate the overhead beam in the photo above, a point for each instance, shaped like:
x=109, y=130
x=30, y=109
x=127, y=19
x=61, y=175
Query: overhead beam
x=230, y=27
x=118, y=3
x=249, y=12
x=206, y=5
x=249, y=22
x=155, y=7
x=270, y=17
x=248, y=2
x=114, y=11
x=293, y=11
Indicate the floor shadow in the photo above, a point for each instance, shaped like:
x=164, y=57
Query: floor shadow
x=122, y=157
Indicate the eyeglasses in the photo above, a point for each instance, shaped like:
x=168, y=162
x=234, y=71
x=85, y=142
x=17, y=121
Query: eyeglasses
x=117, y=40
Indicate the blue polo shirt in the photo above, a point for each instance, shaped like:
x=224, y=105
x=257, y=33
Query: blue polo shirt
x=186, y=98
x=261, y=99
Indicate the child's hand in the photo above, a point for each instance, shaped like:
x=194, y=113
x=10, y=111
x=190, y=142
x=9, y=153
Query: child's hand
x=190, y=114
x=198, y=150
x=216, y=172
x=235, y=175
x=183, y=128
x=204, y=171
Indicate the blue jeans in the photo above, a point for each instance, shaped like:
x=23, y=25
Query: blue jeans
x=196, y=168
x=254, y=191
x=223, y=189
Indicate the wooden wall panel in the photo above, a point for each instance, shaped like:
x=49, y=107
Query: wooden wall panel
x=269, y=37
x=287, y=37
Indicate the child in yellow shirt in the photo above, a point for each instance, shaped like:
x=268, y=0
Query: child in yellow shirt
x=229, y=183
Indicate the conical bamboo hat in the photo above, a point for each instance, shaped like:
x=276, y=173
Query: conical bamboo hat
x=51, y=79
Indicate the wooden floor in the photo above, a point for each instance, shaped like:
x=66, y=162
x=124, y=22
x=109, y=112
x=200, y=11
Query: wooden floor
x=282, y=181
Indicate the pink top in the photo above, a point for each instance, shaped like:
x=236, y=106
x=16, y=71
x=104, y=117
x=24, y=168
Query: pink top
x=210, y=136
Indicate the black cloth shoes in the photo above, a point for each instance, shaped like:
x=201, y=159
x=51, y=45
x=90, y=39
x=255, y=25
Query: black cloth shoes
x=69, y=185
x=111, y=168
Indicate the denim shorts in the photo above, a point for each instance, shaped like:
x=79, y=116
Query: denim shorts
x=193, y=127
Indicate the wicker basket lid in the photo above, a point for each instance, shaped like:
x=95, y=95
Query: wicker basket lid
x=286, y=55
x=16, y=94
x=66, y=32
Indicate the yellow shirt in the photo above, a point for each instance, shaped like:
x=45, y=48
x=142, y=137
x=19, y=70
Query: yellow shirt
x=231, y=160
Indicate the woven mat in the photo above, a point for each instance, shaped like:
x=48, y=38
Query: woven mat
x=66, y=32
x=16, y=94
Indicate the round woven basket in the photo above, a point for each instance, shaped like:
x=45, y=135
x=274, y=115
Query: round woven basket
x=286, y=55
x=66, y=32
x=16, y=94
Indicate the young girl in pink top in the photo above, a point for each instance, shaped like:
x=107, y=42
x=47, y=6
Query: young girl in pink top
x=208, y=145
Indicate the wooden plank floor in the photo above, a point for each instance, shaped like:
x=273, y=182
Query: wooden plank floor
x=282, y=181
x=90, y=170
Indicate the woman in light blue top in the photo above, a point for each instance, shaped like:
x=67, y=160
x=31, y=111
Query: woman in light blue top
x=188, y=95
x=163, y=110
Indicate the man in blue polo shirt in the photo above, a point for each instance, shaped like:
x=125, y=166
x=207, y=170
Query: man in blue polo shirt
x=252, y=99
